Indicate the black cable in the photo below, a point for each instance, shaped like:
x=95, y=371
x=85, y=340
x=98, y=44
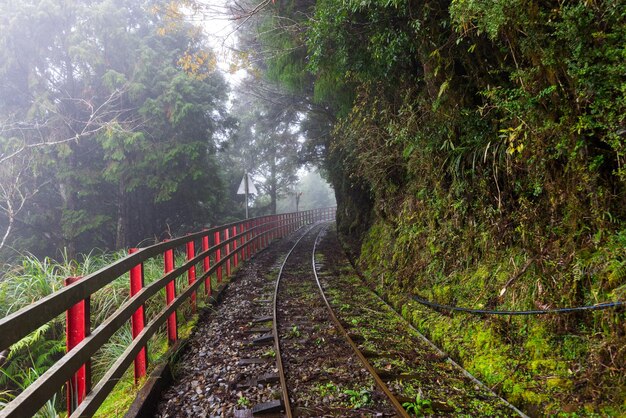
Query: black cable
x=604, y=305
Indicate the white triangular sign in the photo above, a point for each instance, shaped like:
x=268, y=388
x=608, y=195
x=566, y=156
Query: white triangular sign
x=242, y=186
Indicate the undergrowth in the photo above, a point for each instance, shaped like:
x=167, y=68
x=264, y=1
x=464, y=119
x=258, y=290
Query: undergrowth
x=31, y=279
x=549, y=364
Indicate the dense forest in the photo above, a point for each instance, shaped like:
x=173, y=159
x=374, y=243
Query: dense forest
x=119, y=129
x=476, y=150
x=116, y=126
x=477, y=153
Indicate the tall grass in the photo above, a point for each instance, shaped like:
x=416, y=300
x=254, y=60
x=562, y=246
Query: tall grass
x=31, y=279
x=26, y=282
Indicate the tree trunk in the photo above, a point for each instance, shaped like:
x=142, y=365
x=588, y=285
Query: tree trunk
x=273, y=184
x=70, y=196
x=122, y=217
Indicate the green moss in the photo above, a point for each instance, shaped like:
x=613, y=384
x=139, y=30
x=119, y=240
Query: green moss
x=527, y=359
x=119, y=400
x=537, y=342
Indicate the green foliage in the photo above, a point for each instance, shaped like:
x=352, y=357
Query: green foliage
x=489, y=18
x=358, y=398
x=420, y=407
x=243, y=402
x=489, y=136
x=23, y=379
x=33, y=279
x=144, y=125
x=294, y=332
x=326, y=389
x=287, y=62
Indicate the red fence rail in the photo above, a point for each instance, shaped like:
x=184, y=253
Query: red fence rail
x=237, y=241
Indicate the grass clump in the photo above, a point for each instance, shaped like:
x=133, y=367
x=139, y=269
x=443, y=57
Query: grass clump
x=30, y=279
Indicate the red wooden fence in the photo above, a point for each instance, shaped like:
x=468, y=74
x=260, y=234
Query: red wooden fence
x=240, y=240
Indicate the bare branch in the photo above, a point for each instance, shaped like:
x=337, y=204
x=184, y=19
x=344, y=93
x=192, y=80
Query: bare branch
x=100, y=118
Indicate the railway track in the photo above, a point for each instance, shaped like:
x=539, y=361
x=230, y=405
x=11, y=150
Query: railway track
x=425, y=380
x=298, y=336
x=322, y=373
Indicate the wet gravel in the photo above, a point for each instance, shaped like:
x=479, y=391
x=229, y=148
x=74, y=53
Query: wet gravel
x=210, y=379
x=213, y=377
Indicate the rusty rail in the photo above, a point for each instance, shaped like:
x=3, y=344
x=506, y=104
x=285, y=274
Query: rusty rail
x=250, y=236
x=281, y=373
x=279, y=360
x=379, y=382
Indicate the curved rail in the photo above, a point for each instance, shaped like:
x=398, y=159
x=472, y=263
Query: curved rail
x=379, y=382
x=279, y=361
x=434, y=346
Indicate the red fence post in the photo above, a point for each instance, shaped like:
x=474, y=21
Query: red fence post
x=283, y=225
x=242, y=241
x=218, y=255
x=191, y=273
x=279, y=224
x=206, y=264
x=249, y=227
x=235, y=253
x=77, y=328
x=228, y=247
x=268, y=227
x=253, y=234
x=248, y=238
x=138, y=321
x=170, y=295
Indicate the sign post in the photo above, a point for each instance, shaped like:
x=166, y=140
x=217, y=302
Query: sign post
x=246, y=187
x=298, y=194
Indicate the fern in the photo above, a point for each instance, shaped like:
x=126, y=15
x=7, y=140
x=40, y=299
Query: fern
x=29, y=341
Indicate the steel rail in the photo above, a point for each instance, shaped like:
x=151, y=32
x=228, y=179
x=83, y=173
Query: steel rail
x=379, y=382
x=433, y=346
x=279, y=361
